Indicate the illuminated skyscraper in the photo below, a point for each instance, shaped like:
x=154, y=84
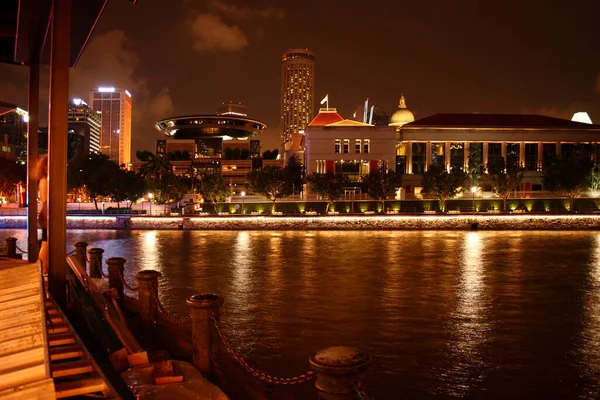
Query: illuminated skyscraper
x=297, y=91
x=115, y=134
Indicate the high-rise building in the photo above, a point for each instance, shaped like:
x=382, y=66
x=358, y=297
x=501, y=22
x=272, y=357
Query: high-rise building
x=13, y=131
x=297, y=91
x=115, y=133
x=84, y=129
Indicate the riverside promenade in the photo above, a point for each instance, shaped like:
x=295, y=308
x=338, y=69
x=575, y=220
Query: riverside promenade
x=525, y=221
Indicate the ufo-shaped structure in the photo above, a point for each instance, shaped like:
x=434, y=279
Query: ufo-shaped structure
x=225, y=127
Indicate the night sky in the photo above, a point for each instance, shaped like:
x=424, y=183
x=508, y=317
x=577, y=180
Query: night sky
x=182, y=57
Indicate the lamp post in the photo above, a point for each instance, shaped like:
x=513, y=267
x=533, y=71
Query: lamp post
x=150, y=195
x=474, y=190
x=243, y=194
x=79, y=200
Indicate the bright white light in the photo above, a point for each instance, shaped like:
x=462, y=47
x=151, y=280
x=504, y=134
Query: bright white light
x=582, y=117
x=106, y=89
x=243, y=194
x=77, y=102
x=150, y=196
x=26, y=118
x=127, y=93
x=474, y=189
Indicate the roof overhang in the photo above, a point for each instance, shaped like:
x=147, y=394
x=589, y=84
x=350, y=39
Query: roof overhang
x=25, y=29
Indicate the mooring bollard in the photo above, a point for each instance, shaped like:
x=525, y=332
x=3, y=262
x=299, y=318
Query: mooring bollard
x=147, y=281
x=338, y=372
x=80, y=250
x=204, y=306
x=11, y=247
x=95, y=255
x=116, y=267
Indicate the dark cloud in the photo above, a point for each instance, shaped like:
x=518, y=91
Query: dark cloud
x=244, y=13
x=210, y=33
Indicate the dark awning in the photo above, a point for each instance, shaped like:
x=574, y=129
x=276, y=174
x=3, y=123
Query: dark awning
x=24, y=29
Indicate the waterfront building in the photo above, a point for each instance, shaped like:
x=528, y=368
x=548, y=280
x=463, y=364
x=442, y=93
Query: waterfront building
x=226, y=143
x=115, y=133
x=84, y=129
x=297, y=92
x=13, y=132
x=519, y=139
x=353, y=148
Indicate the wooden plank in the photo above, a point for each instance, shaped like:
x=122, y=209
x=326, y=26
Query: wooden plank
x=18, y=320
x=20, y=331
x=21, y=344
x=22, y=310
x=12, y=289
x=140, y=358
x=23, y=376
x=25, y=293
x=69, y=368
x=66, y=352
x=15, y=274
x=79, y=387
x=21, y=359
x=18, y=301
x=42, y=390
x=60, y=327
x=60, y=339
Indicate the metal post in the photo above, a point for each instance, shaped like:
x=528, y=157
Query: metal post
x=338, y=371
x=80, y=250
x=32, y=155
x=147, y=281
x=60, y=55
x=204, y=306
x=11, y=247
x=95, y=262
x=116, y=267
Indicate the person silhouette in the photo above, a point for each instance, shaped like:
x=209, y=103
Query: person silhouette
x=41, y=171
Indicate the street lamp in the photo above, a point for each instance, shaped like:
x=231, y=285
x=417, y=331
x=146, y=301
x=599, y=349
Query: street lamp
x=474, y=190
x=243, y=194
x=79, y=200
x=150, y=195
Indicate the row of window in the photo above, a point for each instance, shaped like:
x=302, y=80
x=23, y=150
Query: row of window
x=342, y=146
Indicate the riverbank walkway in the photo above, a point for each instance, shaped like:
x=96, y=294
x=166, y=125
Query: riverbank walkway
x=41, y=356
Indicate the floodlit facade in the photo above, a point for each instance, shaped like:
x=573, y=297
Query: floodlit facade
x=13, y=132
x=115, y=134
x=297, y=91
x=84, y=129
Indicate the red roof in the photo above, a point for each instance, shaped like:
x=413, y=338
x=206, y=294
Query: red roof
x=6, y=107
x=325, y=118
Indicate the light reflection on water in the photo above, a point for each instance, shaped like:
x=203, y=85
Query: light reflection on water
x=475, y=315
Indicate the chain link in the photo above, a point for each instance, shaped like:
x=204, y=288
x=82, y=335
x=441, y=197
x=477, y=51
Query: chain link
x=21, y=250
x=132, y=288
x=168, y=316
x=71, y=252
x=274, y=380
x=360, y=391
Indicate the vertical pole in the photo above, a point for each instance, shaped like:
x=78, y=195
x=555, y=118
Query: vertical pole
x=60, y=55
x=32, y=155
x=80, y=250
x=147, y=294
x=204, y=306
x=95, y=262
x=11, y=247
x=338, y=372
x=116, y=267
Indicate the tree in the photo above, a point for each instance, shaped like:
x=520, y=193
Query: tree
x=130, y=186
x=329, y=186
x=169, y=190
x=94, y=173
x=269, y=182
x=505, y=180
x=443, y=185
x=11, y=174
x=569, y=175
x=475, y=165
x=293, y=173
x=382, y=185
x=214, y=189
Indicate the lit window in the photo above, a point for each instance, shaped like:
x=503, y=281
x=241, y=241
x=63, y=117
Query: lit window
x=367, y=146
x=357, y=146
x=338, y=144
x=346, y=146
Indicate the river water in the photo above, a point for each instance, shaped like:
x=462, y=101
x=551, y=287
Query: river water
x=475, y=315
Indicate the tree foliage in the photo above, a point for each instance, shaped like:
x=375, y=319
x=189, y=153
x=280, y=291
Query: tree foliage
x=11, y=173
x=130, y=186
x=329, y=186
x=293, y=173
x=443, y=185
x=569, y=175
x=382, y=185
x=95, y=174
x=506, y=179
x=269, y=182
x=214, y=189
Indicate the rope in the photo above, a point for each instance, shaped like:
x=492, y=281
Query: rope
x=254, y=372
x=71, y=252
x=132, y=288
x=168, y=316
x=21, y=250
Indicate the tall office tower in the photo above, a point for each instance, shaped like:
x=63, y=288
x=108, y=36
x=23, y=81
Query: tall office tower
x=115, y=133
x=84, y=129
x=13, y=132
x=297, y=91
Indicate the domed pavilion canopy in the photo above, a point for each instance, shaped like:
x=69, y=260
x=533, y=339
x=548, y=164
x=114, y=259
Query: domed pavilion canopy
x=402, y=115
x=226, y=127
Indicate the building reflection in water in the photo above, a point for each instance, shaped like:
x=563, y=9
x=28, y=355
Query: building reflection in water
x=590, y=348
x=470, y=325
x=150, y=251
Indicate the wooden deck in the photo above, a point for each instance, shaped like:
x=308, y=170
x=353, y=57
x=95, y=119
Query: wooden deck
x=24, y=359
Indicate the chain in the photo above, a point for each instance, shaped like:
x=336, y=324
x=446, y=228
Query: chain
x=132, y=288
x=168, y=316
x=101, y=271
x=21, y=250
x=71, y=253
x=254, y=372
x=360, y=391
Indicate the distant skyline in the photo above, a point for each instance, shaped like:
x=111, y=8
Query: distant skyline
x=530, y=56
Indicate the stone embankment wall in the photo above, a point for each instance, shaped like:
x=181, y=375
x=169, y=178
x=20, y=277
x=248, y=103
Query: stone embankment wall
x=389, y=222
